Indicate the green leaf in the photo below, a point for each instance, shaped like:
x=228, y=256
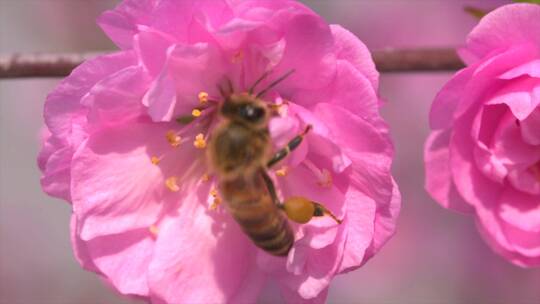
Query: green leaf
x=476, y=12
x=184, y=120
x=528, y=1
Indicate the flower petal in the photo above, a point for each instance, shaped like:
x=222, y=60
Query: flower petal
x=524, y=178
x=505, y=27
x=56, y=177
x=349, y=89
x=484, y=84
x=63, y=104
x=65, y=119
x=508, y=146
x=521, y=210
x=370, y=153
x=438, y=176
x=123, y=259
x=521, y=96
x=116, y=97
x=292, y=297
x=319, y=232
x=360, y=230
x=446, y=102
x=531, y=68
x=115, y=186
x=530, y=127
x=189, y=70
x=321, y=266
x=385, y=222
x=504, y=238
x=202, y=256
x=351, y=49
x=121, y=23
x=307, y=51
x=79, y=247
x=151, y=47
x=470, y=183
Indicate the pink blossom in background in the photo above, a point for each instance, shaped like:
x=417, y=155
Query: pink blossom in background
x=143, y=213
x=483, y=155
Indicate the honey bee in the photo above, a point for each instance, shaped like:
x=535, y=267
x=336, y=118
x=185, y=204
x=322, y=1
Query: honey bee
x=240, y=152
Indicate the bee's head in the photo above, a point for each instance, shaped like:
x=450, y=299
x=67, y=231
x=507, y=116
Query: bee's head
x=244, y=108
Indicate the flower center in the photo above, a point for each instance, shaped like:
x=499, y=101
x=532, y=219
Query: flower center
x=195, y=128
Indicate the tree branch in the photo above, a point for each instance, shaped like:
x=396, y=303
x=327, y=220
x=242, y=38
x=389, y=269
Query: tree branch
x=416, y=60
x=26, y=65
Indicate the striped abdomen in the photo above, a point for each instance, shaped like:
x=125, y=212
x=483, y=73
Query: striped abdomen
x=250, y=205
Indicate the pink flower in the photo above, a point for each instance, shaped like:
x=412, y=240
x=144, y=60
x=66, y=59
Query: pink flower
x=483, y=156
x=144, y=212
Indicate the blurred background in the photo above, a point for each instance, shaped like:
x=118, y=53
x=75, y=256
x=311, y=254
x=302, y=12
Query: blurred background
x=436, y=256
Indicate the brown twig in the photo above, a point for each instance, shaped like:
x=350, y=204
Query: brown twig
x=387, y=60
x=416, y=60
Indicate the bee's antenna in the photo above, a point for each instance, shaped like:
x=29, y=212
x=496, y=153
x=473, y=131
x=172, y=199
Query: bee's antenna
x=229, y=87
x=263, y=76
x=221, y=91
x=273, y=84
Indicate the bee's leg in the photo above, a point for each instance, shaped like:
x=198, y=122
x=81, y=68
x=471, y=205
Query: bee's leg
x=270, y=186
x=298, y=209
x=293, y=144
x=302, y=210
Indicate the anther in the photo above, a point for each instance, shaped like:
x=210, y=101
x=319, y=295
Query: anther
x=203, y=98
x=155, y=160
x=200, y=142
x=172, y=184
x=283, y=171
x=153, y=230
x=205, y=177
x=196, y=113
x=173, y=138
x=216, y=201
x=237, y=57
x=280, y=108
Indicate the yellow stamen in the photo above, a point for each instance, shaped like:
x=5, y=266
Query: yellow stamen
x=153, y=230
x=173, y=138
x=216, y=201
x=199, y=142
x=205, y=177
x=238, y=56
x=196, y=112
x=283, y=171
x=203, y=98
x=172, y=184
x=280, y=108
x=326, y=179
x=215, y=204
x=155, y=160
